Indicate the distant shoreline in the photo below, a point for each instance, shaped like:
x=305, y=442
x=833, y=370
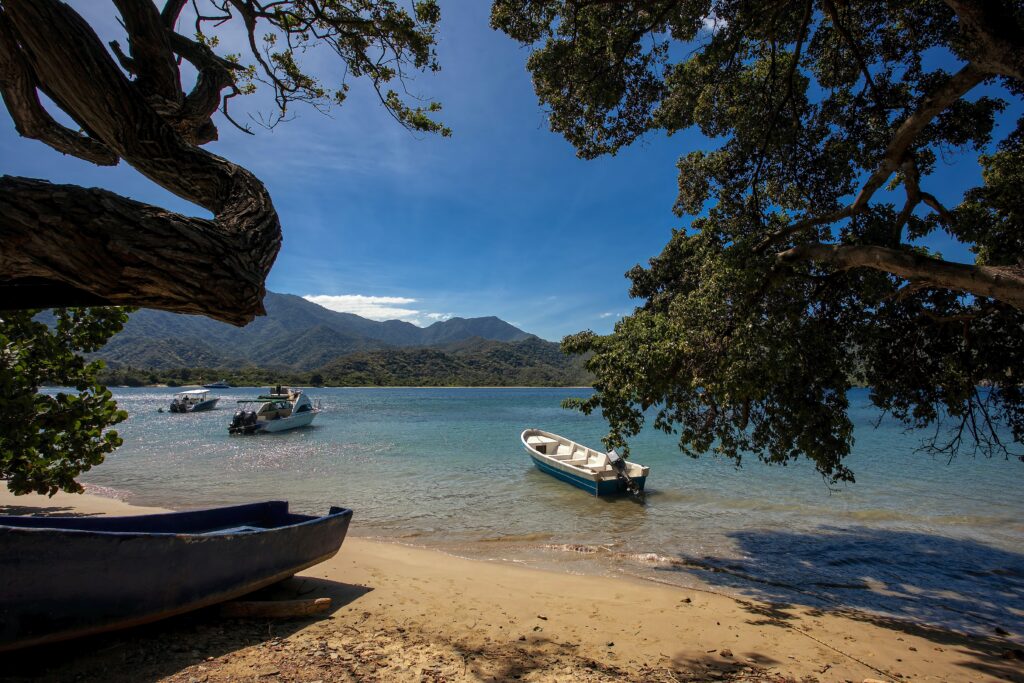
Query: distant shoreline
x=355, y=386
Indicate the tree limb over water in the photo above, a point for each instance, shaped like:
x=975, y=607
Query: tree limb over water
x=132, y=106
x=800, y=271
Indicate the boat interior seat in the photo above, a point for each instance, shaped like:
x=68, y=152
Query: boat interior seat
x=599, y=460
x=563, y=449
x=578, y=462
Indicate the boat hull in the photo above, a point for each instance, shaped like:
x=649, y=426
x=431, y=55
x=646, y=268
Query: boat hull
x=204, y=405
x=605, y=487
x=194, y=407
x=291, y=422
x=68, y=577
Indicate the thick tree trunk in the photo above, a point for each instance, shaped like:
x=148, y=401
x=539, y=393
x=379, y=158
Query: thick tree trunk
x=66, y=245
x=84, y=243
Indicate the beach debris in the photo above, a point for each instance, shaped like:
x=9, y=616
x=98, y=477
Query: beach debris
x=725, y=652
x=1014, y=653
x=611, y=644
x=273, y=609
x=541, y=616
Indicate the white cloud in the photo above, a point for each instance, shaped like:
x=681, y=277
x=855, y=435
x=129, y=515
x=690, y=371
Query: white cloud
x=712, y=23
x=377, y=307
x=609, y=315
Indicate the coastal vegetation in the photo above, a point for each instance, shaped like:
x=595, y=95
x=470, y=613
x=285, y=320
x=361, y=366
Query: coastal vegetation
x=46, y=440
x=480, y=362
x=803, y=266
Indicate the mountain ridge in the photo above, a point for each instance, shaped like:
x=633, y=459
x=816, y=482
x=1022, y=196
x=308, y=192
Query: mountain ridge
x=296, y=334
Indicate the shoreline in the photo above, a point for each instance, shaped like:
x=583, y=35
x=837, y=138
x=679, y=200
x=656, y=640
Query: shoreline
x=409, y=613
x=355, y=386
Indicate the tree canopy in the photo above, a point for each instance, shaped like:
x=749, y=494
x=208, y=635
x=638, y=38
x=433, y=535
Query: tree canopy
x=67, y=245
x=802, y=269
x=48, y=439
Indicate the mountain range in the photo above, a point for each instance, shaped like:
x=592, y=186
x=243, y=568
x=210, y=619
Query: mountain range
x=299, y=336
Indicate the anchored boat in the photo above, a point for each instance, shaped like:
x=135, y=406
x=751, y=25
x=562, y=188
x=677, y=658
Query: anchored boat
x=281, y=409
x=64, y=577
x=193, y=401
x=222, y=384
x=599, y=473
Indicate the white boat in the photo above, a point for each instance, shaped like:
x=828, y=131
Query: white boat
x=193, y=401
x=222, y=384
x=281, y=409
x=599, y=473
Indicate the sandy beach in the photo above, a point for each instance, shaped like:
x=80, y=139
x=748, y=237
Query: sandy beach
x=408, y=614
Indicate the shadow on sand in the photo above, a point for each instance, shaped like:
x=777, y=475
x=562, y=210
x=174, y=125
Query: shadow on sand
x=35, y=511
x=156, y=651
x=954, y=592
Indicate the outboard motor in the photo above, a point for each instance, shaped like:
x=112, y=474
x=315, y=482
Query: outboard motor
x=619, y=465
x=244, y=422
x=177, y=406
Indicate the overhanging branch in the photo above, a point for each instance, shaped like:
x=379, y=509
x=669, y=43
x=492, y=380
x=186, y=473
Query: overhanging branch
x=895, y=153
x=241, y=242
x=65, y=244
x=1003, y=284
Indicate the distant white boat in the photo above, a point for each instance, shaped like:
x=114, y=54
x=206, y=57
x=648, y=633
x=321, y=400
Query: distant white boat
x=223, y=384
x=599, y=473
x=281, y=409
x=193, y=401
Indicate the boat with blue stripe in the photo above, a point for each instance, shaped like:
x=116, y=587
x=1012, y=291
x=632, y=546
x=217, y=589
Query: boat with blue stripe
x=602, y=474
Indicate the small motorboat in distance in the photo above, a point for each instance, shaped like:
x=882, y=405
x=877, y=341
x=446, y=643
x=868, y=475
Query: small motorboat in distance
x=217, y=385
x=193, y=401
x=599, y=473
x=281, y=409
x=65, y=577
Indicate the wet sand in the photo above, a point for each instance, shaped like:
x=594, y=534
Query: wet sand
x=408, y=614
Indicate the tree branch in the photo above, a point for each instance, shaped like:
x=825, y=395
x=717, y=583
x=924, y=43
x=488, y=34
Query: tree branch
x=65, y=244
x=1001, y=283
x=90, y=86
x=996, y=36
x=155, y=68
x=171, y=11
x=18, y=89
x=895, y=153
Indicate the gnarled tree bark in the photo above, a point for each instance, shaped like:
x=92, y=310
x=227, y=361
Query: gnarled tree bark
x=65, y=245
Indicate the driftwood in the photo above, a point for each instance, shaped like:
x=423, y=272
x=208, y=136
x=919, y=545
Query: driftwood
x=273, y=609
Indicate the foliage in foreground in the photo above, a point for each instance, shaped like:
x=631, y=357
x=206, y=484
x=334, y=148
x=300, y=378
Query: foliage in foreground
x=802, y=271
x=47, y=440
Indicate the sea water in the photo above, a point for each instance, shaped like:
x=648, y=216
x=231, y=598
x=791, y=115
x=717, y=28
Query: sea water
x=916, y=537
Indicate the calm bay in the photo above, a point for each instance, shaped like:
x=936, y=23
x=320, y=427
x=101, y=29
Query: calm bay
x=917, y=537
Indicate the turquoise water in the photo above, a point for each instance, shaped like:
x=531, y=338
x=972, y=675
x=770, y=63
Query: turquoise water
x=916, y=537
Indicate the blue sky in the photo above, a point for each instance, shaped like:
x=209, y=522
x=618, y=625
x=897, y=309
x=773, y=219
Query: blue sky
x=500, y=219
